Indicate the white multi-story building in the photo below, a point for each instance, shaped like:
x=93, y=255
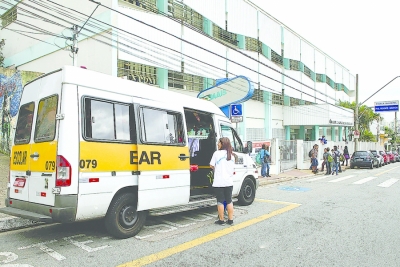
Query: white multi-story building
x=185, y=46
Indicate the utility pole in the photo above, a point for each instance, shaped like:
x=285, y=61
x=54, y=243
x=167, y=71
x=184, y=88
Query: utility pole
x=356, y=116
x=395, y=129
x=74, y=46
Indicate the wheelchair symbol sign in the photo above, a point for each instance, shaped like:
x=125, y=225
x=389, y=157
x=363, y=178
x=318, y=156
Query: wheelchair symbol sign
x=236, y=110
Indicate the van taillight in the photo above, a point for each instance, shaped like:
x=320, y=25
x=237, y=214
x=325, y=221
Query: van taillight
x=63, y=173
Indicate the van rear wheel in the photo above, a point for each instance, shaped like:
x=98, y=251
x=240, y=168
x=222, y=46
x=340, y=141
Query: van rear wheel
x=247, y=192
x=122, y=219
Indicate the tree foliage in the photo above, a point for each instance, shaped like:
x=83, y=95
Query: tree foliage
x=391, y=134
x=366, y=116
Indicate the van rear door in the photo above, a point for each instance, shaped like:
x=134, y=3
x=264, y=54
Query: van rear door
x=42, y=99
x=162, y=157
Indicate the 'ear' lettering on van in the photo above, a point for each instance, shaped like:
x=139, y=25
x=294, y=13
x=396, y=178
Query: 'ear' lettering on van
x=144, y=157
x=20, y=157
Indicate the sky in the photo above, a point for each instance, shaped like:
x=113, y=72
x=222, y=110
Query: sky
x=363, y=36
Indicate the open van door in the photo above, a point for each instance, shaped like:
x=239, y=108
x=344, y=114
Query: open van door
x=162, y=157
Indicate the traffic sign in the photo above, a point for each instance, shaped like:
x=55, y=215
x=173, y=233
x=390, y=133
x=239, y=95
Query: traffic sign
x=236, y=119
x=236, y=110
x=387, y=106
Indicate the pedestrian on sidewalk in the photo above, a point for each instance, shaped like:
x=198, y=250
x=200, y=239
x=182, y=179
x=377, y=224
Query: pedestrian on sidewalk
x=325, y=158
x=265, y=156
x=223, y=163
x=336, y=163
x=346, y=155
x=314, y=159
x=329, y=161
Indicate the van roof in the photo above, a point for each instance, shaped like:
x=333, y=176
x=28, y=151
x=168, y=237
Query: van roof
x=89, y=78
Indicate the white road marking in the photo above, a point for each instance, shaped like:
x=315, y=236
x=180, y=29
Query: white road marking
x=362, y=181
x=389, y=182
x=82, y=244
x=46, y=249
x=318, y=178
x=341, y=179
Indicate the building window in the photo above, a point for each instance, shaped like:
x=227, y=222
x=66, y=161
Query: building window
x=137, y=72
x=258, y=95
x=308, y=72
x=277, y=99
x=330, y=82
x=276, y=58
x=150, y=5
x=253, y=44
x=9, y=17
x=294, y=64
x=184, y=81
x=225, y=36
x=295, y=101
x=319, y=77
x=186, y=14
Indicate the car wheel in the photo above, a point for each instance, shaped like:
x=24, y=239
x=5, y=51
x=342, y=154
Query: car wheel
x=122, y=219
x=247, y=192
x=351, y=166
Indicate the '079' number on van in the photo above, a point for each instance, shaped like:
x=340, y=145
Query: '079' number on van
x=88, y=163
x=50, y=165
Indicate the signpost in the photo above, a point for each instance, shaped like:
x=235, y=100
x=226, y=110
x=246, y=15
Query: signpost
x=387, y=106
x=236, y=113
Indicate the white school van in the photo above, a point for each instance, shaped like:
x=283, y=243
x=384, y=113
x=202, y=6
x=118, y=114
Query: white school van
x=88, y=145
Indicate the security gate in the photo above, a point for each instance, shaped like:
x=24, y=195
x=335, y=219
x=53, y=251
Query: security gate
x=288, y=150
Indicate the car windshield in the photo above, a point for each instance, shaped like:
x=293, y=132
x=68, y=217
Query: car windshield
x=374, y=152
x=361, y=153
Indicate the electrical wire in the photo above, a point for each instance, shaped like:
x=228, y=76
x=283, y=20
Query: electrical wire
x=235, y=63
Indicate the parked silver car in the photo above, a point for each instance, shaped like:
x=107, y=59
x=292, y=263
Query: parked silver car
x=379, y=157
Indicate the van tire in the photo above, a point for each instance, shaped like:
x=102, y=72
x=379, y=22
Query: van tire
x=247, y=192
x=122, y=220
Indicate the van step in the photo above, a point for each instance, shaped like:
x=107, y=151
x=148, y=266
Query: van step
x=27, y=214
x=194, y=204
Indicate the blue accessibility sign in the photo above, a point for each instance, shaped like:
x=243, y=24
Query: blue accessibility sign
x=236, y=110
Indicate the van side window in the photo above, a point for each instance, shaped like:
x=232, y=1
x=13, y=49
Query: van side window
x=161, y=126
x=24, y=124
x=45, y=129
x=227, y=131
x=108, y=121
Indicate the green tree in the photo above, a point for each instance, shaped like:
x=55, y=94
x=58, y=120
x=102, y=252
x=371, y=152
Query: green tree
x=366, y=116
x=391, y=134
x=2, y=43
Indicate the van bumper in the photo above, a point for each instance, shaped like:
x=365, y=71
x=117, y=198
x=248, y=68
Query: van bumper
x=64, y=210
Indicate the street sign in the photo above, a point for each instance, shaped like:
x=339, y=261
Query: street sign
x=236, y=119
x=356, y=134
x=236, y=110
x=387, y=106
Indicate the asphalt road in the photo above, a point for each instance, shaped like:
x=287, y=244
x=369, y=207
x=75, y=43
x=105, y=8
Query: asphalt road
x=347, y=220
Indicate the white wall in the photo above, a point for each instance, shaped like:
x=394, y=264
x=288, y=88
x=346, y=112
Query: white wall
x=92, y=54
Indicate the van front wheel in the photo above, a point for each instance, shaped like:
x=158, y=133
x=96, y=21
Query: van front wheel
x=122, y=219
x=247, y=192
